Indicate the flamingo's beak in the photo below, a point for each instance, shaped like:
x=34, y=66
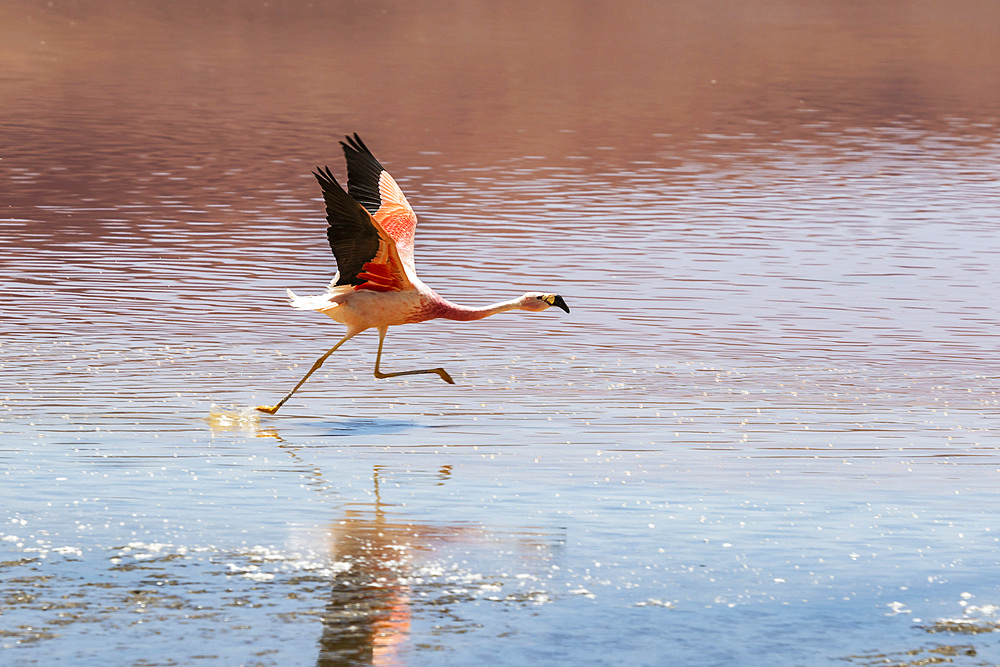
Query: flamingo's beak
x=556, y=300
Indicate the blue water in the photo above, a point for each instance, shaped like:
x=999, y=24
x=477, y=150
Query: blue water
x=764, y=435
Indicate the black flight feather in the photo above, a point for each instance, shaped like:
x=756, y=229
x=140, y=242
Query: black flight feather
x=363, y=172
x=353, y=238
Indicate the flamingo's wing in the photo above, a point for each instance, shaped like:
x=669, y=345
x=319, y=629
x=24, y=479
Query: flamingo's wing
x=371, y=186
x=366, y=254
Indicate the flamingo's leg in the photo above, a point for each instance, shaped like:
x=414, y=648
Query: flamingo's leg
x=271, y=409
x=378, y=357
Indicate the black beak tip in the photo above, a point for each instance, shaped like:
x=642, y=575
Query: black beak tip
x=559, y=302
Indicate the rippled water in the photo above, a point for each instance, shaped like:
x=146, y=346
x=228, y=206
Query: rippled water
x=764, y=435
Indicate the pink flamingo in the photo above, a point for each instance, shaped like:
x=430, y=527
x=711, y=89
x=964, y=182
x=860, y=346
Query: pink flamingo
x=371, y=234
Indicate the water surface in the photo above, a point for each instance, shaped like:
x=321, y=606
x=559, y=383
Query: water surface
x=764, y=435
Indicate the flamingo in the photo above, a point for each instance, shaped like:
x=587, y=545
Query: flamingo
x=371, y=228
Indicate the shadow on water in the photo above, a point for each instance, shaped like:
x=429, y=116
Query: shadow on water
x=248, y=420
x=358, y=427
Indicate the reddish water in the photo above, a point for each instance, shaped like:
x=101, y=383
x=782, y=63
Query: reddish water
x=770, y=411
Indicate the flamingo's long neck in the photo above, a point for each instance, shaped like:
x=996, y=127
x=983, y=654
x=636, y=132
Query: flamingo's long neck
x=453, y=311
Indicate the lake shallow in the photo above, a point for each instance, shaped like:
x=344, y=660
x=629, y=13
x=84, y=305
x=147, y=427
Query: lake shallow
x=766, y=434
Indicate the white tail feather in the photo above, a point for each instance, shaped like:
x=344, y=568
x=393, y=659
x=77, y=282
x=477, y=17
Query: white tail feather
x=319, y=302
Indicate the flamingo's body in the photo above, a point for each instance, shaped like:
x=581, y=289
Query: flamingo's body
x=371, y=229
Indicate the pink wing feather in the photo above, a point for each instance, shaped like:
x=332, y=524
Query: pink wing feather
x=371, y=186
x=396, y=217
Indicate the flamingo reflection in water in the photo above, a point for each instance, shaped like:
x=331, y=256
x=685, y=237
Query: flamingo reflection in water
x=373, y=601
x=372, y=604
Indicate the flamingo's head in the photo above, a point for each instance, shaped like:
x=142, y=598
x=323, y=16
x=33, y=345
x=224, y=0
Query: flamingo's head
x=540, y=301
